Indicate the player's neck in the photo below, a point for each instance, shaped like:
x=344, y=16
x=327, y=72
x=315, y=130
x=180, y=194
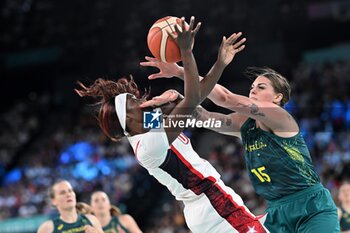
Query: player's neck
x=104, y=219
x=346, y=207
x=69, y=216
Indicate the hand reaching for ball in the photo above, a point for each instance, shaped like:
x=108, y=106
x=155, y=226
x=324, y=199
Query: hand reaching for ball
x=162, y=35
x=229, y=47
x=185, y=36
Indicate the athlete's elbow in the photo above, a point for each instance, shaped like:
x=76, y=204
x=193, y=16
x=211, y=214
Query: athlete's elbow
x=228, y=101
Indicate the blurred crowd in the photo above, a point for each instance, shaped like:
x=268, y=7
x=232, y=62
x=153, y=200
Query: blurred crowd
x=67, y=144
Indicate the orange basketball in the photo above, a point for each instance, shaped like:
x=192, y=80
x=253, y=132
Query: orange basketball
x=161, y=45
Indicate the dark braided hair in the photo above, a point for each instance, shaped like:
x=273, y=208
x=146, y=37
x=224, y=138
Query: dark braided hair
x=103, y=92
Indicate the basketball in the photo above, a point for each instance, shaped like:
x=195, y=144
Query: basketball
x=161, y=45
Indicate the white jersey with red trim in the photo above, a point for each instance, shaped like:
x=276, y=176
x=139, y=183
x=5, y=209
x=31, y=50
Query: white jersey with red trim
x=210, y=206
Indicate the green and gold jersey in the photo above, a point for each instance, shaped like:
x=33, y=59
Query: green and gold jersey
x=276, y=166
x=344, y=220
x=75, y=227
x=112, y=226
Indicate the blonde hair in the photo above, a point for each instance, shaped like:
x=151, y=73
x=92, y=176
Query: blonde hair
x=115, y=211
x=83, y=208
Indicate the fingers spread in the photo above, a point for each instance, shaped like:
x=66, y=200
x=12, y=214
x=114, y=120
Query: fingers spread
x=240, y=48
x=151, y=58
x=239, y=43
x=176, y=30
x=154, y=76
x=233, y=37
x=197, y=28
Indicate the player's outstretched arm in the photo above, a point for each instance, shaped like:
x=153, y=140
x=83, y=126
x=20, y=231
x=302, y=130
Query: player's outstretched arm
x=230, y=123
x=185, y=39
x=228, y=49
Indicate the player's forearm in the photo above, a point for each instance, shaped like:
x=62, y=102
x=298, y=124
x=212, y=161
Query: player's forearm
x=191, y=83
x=210, y=80
x=216, y=93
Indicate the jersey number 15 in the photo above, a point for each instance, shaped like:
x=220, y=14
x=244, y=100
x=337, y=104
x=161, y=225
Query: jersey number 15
x=262, y=176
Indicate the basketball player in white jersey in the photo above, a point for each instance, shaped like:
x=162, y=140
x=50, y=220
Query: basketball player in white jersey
x=167, y=154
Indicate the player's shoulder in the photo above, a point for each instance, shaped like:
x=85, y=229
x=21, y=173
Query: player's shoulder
x=126, y=219
x=340, y=211
x=91, y=217
x=46, y=227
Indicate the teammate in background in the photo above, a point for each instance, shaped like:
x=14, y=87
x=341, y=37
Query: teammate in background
x=63, y=198
x=110, y=216
x=210, y=206
x=277, y=159
x=344, y=208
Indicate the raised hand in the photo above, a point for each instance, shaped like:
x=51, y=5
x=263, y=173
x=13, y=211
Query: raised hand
x=230, y=47
x=185, y=37
x=166, y=70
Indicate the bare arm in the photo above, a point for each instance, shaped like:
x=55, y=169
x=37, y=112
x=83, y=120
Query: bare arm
x=228, y=49
x=96, y=225
x=273, y=116
x=185, y=39
x=230, y=124
x=46, y=227
x=129, y=222
x=217, y=94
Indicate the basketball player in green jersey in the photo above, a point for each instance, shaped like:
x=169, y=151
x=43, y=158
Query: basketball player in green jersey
x=63, y=198
x=110, y=217
x=277, y=158
x=344, y=208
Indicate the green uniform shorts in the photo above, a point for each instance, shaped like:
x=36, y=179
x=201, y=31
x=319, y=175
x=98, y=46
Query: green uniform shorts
x=308, y=211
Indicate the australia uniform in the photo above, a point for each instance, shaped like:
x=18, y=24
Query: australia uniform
x=112, y=226
x=209, y=205
x=282, y=173
x=76, y=227
x=344, y=220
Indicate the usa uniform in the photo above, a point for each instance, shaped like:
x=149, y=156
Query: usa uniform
x=282, y=173
x=209, y=205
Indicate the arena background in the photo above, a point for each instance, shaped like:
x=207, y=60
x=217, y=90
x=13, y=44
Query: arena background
x=46, y=132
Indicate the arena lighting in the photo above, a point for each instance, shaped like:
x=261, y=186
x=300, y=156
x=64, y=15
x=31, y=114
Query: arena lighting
x=77, y=152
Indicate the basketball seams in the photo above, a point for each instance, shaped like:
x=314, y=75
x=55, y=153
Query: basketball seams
x=161, y=46
x=163, y=43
